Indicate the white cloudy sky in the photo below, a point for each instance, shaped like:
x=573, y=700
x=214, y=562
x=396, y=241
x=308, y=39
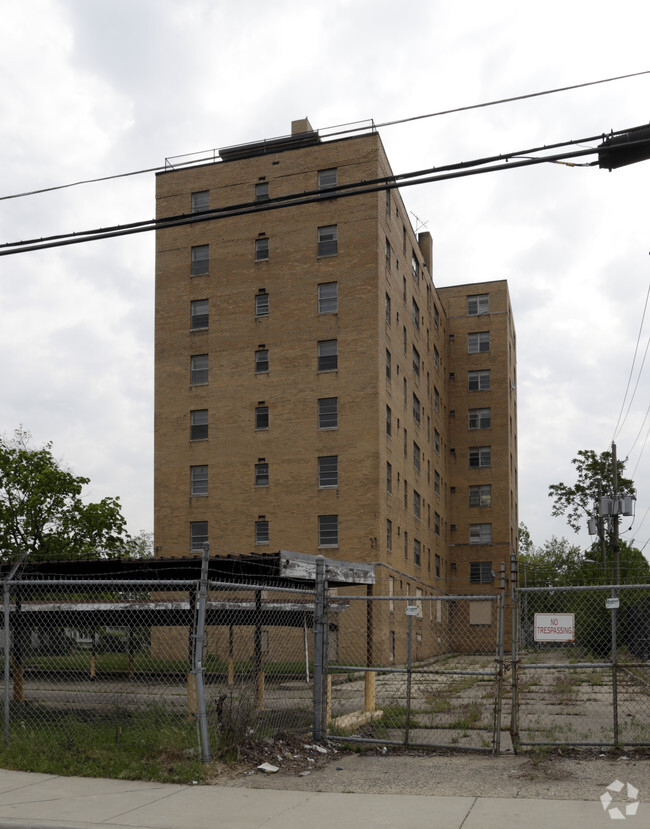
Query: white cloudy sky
x=92, y=87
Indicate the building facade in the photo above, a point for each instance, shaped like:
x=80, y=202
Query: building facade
x=314, y=390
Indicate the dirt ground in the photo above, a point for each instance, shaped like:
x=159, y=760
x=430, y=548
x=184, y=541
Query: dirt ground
x=555, y=776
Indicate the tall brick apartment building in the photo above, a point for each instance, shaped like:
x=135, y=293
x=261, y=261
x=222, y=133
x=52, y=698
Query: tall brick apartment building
x=314, y=390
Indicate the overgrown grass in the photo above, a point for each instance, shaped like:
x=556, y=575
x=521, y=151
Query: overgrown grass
x=147, y=745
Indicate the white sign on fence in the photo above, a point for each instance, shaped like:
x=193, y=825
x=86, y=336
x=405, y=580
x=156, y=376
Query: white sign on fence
x=555, y=627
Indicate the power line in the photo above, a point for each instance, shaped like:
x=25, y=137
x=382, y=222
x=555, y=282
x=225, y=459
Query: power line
x=629, y=379
x=324, y=130
x=497, y=163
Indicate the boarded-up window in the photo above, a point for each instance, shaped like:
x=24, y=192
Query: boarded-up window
x=480, y=613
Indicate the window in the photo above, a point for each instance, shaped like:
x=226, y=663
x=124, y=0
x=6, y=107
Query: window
x=417, y=504
x=406, y=551
x=436, y=399
x=437, y=565
x=480, y=456
x=480, y=572
x=328, y=298
x=389, y=534
x=436, y=523
x=328, y=472
x=389, y=477
x=415, y=266
x=261, y=360
x=328, y=240
x=200, y=260
x=415, y=310
x=480, y=533
x=436, y=316
x=261, y=473
x=198, y=534
x=328, y=530
x=198, y=480
x=262, y=531
x=261, y=248
x=387, y=202
x=478, y=304
x=478, y=380
x=436, y=440
x=436, y=358
x=480, y=496
x=388, y=257
x=436, y=482
x=199, y=370
x=388, y=421
x=328, y=355
x=200, y=201
x=478, y=342
x=416, y=362
x=479, y=418
x=199, y=314
x=328, y=413
x=328, y=179
x=388, y=370
x=262, y=191
x=416, y=408
x=416, y=561
x=416, y=456
x=199, y=424
x=262, y=304
x=387, y=304
x=261, y=417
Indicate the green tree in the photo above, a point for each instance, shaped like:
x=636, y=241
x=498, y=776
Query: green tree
x=43, y=514
x=594, y=476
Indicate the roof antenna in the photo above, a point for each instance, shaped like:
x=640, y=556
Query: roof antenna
x=419, y=223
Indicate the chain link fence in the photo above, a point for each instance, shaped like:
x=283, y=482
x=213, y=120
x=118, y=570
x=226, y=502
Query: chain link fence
x=419, y=671
x=581, y=673
x=164, y=663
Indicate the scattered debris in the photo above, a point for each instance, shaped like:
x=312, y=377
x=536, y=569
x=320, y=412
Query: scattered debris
x=268, y=768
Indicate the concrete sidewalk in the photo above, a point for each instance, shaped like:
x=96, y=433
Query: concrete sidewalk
x=41, y=800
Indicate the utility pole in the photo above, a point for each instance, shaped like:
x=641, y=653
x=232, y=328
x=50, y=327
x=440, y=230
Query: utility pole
x=615, y=516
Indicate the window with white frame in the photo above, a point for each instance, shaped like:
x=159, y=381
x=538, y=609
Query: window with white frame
x=415, y=266
x=480, y=495
x=328, y=355
x=262, y=531
x=480, y=456
x=328, y=179
x=328, y=413
x=480, y=533
x=328, y=240
x=478, y=342
x=262, y=191
x=198, y=369
x=199, y=424
x=261, y=248
x=328, y=530
x=198, y=534
x=262, y=304
x=199, y=314
x=261, y=360
x=200, y=201
x=478, y=304
x=261, y=417
x=198, y=480
x=328, y=472
x=479, y=418
x=478, y=380
x=200, y=260
x=262, y=473
x=328, y=298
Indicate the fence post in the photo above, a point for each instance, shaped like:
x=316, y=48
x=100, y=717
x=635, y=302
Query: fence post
x=370, y=676
x=319, y=647
x=7, y=653
x=198, y=656
x=516, y=627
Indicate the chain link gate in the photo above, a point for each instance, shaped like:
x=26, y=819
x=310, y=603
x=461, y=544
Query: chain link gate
x=418, y=671
x=581, y=675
